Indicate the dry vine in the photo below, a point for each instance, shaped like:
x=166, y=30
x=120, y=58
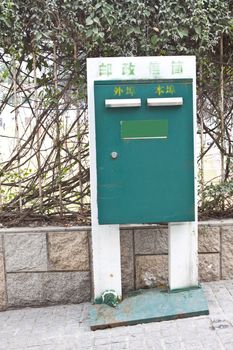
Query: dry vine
x=47, y=171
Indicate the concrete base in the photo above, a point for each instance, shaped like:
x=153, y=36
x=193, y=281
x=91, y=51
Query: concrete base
x=148, y=306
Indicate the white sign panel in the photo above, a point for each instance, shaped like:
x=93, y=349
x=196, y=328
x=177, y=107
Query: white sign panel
x=126, y=68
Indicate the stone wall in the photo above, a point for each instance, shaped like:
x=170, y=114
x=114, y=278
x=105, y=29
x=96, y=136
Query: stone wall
x=148, y=252
x=44, y=266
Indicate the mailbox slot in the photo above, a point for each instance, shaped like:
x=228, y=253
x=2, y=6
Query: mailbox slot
x=166, y=101
x=127, y=102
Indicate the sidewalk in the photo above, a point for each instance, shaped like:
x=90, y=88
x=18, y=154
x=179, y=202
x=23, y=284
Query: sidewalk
x=66, y=328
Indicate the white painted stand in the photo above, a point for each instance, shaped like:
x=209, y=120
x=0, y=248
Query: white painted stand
x=183, y=257
x=106, y=253
x=106, y=258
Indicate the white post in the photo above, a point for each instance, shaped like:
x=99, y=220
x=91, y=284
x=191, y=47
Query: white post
x=106, y=253
x=106, y=258
x=183, y=257
x=183, y=236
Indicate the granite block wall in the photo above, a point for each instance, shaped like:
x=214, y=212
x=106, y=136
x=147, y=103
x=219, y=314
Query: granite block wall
x=44, y=267
x=48, y=265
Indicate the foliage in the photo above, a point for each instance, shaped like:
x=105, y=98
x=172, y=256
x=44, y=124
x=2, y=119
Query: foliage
x=217, y=199
x=192, y=27
x=43, y=51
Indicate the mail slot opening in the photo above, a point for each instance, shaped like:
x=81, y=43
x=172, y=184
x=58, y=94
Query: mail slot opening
x=166, y=101
x=119, y=103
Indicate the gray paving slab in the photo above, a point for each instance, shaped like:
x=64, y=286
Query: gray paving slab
x=65, y=327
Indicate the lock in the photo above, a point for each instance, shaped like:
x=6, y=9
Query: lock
x=114, y=155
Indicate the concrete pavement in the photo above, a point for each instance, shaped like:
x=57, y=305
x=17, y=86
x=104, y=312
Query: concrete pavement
x=65, y=328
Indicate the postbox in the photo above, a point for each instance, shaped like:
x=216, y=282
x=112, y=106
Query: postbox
x=144, y=151
x=142, y=119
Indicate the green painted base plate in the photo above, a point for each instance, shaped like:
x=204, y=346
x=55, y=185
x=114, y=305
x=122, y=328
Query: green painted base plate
x=148, y=306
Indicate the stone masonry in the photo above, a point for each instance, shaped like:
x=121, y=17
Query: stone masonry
x=44, y=267
x=151, y=254
x=51, y=265
x=2, y=277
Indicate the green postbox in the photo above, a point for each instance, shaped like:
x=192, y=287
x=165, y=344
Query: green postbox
x=142, y=118
x=145, y=156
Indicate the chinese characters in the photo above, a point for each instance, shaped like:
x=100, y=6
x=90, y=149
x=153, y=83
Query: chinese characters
x=177, y=67
x=164, y=89
x=127, y=69
x=153, y=69
x=105, y=69
x=124, y=90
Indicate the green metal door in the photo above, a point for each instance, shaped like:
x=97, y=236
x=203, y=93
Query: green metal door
x=145, y=162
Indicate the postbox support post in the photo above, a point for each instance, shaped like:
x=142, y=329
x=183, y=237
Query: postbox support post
x=183, y=236
x=183, y=257
x=106, y=259
x=105, y=241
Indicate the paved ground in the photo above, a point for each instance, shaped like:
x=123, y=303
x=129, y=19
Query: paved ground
x=65, y=328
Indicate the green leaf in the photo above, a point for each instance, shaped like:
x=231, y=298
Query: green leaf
x=4, y=74
x=110, y=20
x=137, y=30
x=129, y=31
x=154, y=40
x=198, y=30
x=97, y=6
x=89, y=21
x=183, y=32
x=89, y=33
x=96, y=20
